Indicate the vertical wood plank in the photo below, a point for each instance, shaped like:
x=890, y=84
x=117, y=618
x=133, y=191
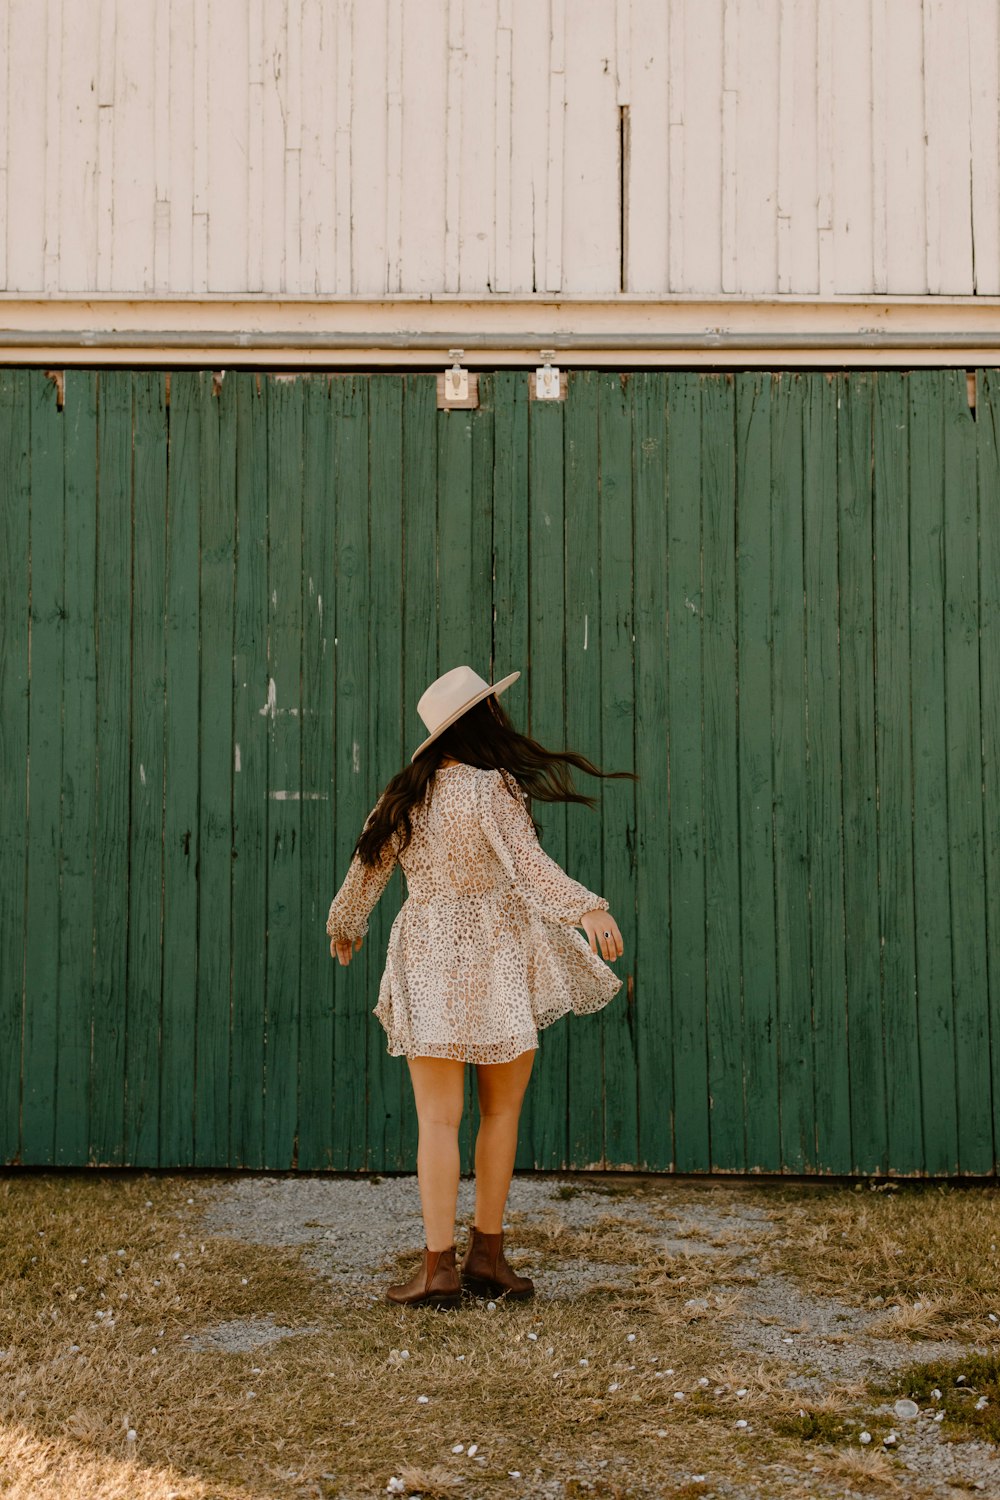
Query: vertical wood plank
x=387, y=1076
x=855, y=205
x=424, y=50
x=144, y=999
x=134, y=145
x=687, y=827
x=318, y=586
x=25, y=104
x=821, y=543
x=947, y=116
x=653, y=995
x=251, y=776
x=584, y=733
x=788, y=751
x=216, y=1003
x=284, y=764
x=615, y=535
x=988, y=455
x=343, y=103
x=227, y=149
x=43, y=922
x=588, y=165
x=702, y=194
x=111, y=872
x=927, y=710
x=894, y=767
x=754, y=590
x=15, y=509
x=531, y=43
x=721, y=792
x=355, y=789
x=180, y=124
x=543, y=1136
x=555, y=178
x=970, y=986
x=502, y=158
x=187, y=861
x=79, y=769
x=755, y=151
x=903, y=147
x=984, y=90
x=76, y=199
x=865, y=1028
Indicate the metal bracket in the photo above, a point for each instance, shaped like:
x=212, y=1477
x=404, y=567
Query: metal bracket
x=456, y=380
x=548, y=386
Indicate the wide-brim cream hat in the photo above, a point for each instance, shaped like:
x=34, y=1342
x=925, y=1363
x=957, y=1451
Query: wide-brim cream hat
x=449, y=696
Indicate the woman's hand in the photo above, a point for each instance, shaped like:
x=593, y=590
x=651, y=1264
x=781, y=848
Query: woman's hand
x=596, y=924
x=344, y=949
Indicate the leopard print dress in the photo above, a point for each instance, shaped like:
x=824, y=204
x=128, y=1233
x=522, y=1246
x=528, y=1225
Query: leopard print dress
x=485, y=950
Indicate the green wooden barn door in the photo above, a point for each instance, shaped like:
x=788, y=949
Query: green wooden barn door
x=774, y=597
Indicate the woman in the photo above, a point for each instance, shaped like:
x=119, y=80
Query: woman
x=482, y=953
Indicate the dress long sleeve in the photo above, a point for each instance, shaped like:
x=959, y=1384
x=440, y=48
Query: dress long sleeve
x=361, y=888
x=538, y=879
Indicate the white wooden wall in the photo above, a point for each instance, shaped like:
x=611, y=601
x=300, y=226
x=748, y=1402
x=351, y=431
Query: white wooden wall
x=364, y=147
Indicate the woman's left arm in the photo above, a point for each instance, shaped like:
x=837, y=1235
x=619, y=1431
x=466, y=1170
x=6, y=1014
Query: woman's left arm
x=347, y=921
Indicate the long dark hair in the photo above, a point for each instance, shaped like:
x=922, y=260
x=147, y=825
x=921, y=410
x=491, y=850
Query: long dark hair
x=482, y=736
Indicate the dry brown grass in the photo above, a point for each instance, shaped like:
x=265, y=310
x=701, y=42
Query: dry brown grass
x=335, y=1412
x=926, y=1253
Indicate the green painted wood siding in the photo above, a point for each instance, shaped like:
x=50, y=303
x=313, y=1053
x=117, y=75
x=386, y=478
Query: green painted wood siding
x=774, y=596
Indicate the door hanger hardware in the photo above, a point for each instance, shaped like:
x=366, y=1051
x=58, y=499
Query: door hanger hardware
x=548, y=384
x=456, y=380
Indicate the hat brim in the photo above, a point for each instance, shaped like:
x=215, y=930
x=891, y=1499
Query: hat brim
x=494, y=687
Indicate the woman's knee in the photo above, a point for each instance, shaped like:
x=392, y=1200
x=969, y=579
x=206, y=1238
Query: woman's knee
x=501, y=1086
x=438, y=1090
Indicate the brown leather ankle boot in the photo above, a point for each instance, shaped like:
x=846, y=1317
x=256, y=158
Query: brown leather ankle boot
x=485, y=1272
x=437, y=1282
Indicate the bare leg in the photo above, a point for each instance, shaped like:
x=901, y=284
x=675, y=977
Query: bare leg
x=438, y=1089
x=501, y=1088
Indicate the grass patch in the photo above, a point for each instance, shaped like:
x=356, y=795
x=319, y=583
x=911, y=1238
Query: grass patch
x=926, y=1255
x=966, y=1390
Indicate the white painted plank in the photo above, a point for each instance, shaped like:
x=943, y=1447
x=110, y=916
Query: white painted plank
x=648, y=187
x=984, y=76
x=27, y=138
x=51, y=164
x=425, y=49
x=678, y=126
x=394, y=146
x=369, y=151
x=4, y=140
x=477, y=148
x=852, y=146
x=107, y=165
x=556, y=185
x=77, y=197
x=756, y=152
x=903, y=148
x=228, y=145
x=531, y=45
x=179, y=126
x=291, y=97
x=880, y=43
x=730, y=264
x=825, y=149
x=161, y=150
x=453, y=144
x=590, y=231
x=201, y=161
x=949, y=152
x=274, y=49
x=134, y=190
x=256, y=64
x=696, y=203
x=503, y=105
x=344, y=168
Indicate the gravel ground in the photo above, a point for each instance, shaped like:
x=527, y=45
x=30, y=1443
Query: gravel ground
x=351, y=1226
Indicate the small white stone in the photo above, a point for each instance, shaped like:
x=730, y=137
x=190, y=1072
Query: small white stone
x=74, y=1348
x=585, y=1361
x=176, y=1255
x=668, y=1372
x=741, y=1421
x=936, y=1394
x=661, y=1432
x=251, y=1394
x=256, y=1370
x=981, y=1403
x=533, y=1336
x=630, y=1338
x=678, y=1395
x=395, y=1486
x=550, y=1350
x=614, y=1386
x=939, y=1416
x=149, y=1202
x=513, y=1473
x=243, y=1281
x=788, y=1341
x=119, y=1252
x=423, y=1400
x=459, y=1357
x=190, y=1200
x=153, y=1350
x=491, y=1307
x=130, y=1435
x=404, y=1353
x=742, y=1391
x=864, y=1437
x=473, y=1449
x=906, y=1410
x=703, y=1380
x=458, y=1447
